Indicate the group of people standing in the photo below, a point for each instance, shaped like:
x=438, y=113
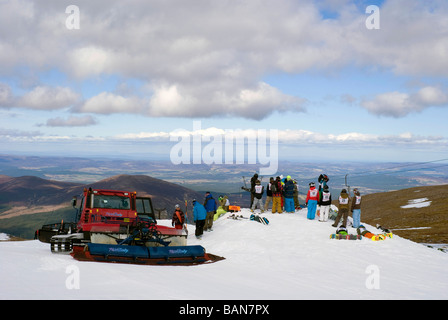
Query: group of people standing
x=322, y=199
x=282, y=192
x=284, y=195
x=203, y=215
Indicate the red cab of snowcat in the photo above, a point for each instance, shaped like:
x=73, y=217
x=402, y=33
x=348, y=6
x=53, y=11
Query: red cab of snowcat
x=108, y=208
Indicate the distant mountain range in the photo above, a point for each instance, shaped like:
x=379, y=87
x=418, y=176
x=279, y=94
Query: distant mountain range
x=31, y=191
x=228, y=178
x=34, y=191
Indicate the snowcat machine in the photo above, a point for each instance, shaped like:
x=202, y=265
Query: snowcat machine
x=119, y=226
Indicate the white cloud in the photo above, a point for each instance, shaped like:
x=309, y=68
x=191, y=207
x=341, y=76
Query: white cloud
x=90, y=60
x=300, y=137
x=180, y=101
x=108, y=103
x=169, y=102
x=39, y=98
x=5, y=95
x=48, y=98
x=399, y=104
x=71, y=121
x=209, y=58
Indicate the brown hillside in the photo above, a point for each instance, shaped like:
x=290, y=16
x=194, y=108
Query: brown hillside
x=31, y=195
x=32, y=191
x=164, y=194
x=426, y=225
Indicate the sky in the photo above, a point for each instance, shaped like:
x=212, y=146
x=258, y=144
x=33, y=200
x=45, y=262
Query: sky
x=331, y=79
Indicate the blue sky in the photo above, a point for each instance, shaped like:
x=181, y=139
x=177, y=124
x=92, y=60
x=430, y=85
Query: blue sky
x=132, y=74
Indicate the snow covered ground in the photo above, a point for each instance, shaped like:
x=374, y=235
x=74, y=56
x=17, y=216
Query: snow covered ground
x=417, y=203
x=291, y=258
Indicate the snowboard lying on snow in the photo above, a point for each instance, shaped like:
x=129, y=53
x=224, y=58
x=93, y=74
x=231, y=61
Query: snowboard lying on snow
x=345, y=236
x=253, y=217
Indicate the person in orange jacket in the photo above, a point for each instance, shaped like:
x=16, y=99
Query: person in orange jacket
x=178, y=218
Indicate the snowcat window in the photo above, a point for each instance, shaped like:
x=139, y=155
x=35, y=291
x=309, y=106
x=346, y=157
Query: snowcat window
x=144, y=208
x=112, y=202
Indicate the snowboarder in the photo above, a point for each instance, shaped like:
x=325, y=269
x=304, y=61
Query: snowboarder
x=269, y=193
x=312, y=198
x=288, y=192
x=375, y=237
x=224, y=202
x=252, y=187
x=199, y=215
x=343, y=205
x=325, y=203
x=356, y=208
x=258, y=194
x=277, y=196
x=296, y=195
x=210, y=207
x=178, y=218
x=222, y=209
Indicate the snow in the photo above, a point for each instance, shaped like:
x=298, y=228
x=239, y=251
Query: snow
x=417, y=203
x=291, y=258
x=4, y=236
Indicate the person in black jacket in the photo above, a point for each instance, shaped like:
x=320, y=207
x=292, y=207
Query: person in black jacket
x=325, y=203
x=253, y=180
x=269, y=193
x=258, y=194
x=288, y=193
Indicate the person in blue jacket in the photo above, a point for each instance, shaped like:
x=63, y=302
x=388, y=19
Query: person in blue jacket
x=288, y=193
x=199, y=215
x=210, y=207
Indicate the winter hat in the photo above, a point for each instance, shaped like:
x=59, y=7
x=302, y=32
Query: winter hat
x=312, y=184
x=344, y=191
x=325, y=188
x=177, y=206
x=288, y=177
